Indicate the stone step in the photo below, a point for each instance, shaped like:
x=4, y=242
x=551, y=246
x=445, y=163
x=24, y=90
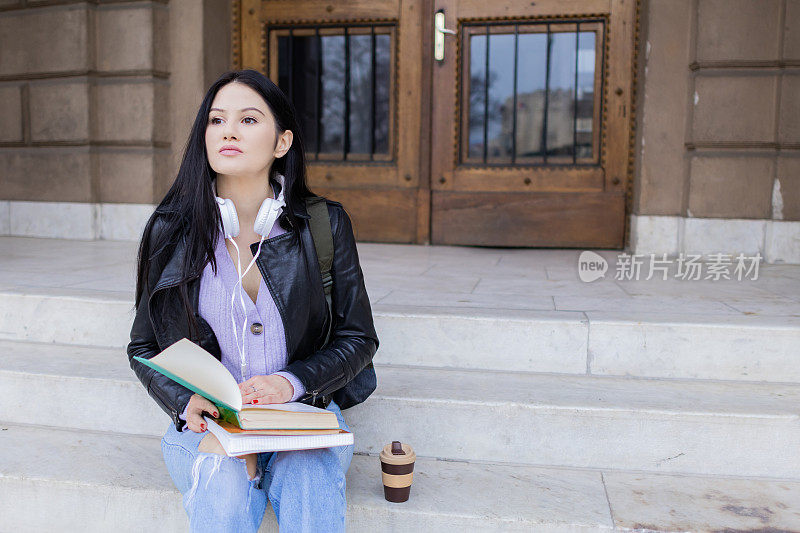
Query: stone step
x=55, y=478
x=679, y=426
x=668, y=345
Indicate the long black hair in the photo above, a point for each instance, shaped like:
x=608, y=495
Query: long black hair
x=189, y=206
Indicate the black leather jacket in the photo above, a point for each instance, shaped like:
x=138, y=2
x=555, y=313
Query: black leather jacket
x=288, y=264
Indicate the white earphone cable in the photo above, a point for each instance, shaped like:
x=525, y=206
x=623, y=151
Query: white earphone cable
x=241, y=349
x=241, y=300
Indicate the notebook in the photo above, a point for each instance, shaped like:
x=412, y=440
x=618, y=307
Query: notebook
x=198, y=370
x=230, y=428
x=242, y=443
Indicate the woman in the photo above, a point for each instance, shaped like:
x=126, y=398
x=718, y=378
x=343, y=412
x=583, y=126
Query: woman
x=245, y=147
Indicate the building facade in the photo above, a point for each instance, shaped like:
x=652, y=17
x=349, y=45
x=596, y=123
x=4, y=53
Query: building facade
x=653, y=126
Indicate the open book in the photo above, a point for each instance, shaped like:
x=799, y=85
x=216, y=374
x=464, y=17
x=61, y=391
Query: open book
x=196, y=369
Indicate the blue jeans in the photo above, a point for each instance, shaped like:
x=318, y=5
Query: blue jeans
x=306, y=487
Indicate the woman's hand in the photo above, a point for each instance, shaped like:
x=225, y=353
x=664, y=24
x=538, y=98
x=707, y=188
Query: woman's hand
x=268, y=389
x=194, y=412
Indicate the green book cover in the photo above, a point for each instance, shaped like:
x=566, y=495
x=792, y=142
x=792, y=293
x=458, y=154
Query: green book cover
x=229, y=415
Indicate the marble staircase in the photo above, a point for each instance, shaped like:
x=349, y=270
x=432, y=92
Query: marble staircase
x=552, y=404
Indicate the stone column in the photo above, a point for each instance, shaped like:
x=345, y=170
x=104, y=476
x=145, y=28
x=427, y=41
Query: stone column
x=718, y=136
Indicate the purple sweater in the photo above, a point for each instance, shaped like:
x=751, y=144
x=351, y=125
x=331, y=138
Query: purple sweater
x=265, y=352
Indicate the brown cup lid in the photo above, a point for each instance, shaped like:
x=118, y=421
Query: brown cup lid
x=389, y=457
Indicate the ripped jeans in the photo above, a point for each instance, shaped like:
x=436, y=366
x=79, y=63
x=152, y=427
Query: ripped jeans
x=306, y=487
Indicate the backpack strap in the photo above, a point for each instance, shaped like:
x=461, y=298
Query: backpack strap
x=322, y=235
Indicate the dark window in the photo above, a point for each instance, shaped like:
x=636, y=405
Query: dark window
x=339, y=80
x=531, y=93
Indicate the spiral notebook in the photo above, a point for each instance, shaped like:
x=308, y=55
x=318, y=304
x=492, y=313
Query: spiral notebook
x=236, y=444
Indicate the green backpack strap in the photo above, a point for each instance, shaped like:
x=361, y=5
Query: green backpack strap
x=322, y=235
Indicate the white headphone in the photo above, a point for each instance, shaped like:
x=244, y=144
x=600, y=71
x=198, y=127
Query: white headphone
x=268, y=213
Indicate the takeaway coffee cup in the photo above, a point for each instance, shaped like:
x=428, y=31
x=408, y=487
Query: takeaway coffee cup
x=397, y=467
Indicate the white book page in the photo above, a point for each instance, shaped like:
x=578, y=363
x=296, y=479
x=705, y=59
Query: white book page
x=196, y=366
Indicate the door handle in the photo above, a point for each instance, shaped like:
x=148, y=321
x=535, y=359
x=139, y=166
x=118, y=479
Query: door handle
x=439, y=32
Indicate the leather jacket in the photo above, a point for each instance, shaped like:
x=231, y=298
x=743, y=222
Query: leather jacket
x=288, y=264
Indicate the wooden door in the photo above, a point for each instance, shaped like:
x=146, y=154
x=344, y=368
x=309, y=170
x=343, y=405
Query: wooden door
x=352, y=70
x=427, y=150
x=532, y=123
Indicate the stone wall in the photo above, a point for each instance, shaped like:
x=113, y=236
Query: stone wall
x=95, y=103
x=718, y=162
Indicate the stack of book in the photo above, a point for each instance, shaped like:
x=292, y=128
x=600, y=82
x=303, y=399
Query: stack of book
x=243, y=429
